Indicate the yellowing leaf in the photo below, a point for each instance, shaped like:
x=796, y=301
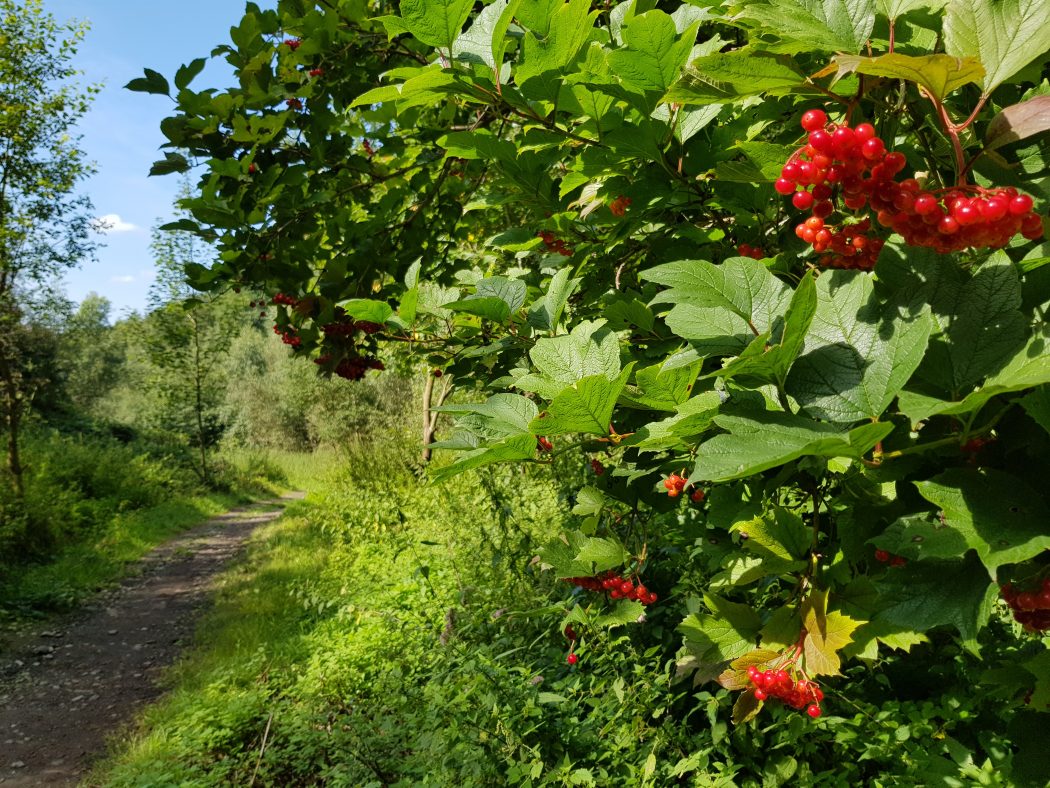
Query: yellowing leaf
x=938, y=74
x=826, y=634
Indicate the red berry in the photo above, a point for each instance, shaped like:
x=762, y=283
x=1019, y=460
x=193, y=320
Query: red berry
x=1021, y=204
x=802, y=200
x=864, y=132
x=882, y=556
x=572, y=659
x=873, y=149
x=814, y=119
x=813, y=710
x=784, y=186
x=760, y=694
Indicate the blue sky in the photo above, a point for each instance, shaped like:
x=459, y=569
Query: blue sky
x=121, y=134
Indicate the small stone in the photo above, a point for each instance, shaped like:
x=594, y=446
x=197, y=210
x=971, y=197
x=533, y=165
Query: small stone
x=41, y=650
x=112, y=632
x=18, y=765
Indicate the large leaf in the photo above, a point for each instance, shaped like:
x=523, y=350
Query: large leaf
x=979, y=320
x=897, y=8
x=546, y=312
x=826, y=635
x=821, y=25
x=484, y=41
x=859, y=352
x=654, y=54
x=660, y=388
x=591, y=349
x=938, y=74
x=495, y=298
x=1028, y=368
x=512, y=449
x=1005, y=35
x=926, y=594
x=601, y=554
x=570, y=27
x=996, y=514
x=694, y=417
x=586, y=407
x=730, y=632
x=736, y=75
x=435, y=23
x=761, y=441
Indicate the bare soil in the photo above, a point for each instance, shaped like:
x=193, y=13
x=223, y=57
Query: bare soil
x=65, y=688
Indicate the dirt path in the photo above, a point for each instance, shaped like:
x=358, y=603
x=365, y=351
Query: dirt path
x=62, y=691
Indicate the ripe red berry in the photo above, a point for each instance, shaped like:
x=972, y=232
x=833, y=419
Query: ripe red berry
x=760, y=694
x=814, y=119
x=813, y=710
x=784, y=186
x=873, y=149
x=882, y=556
x=572, y=659
x=802, y=200
x=1021, y=204
x=317, y=72
x=864, y=132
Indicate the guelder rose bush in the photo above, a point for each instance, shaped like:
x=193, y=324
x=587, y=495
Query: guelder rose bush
x=770, y=274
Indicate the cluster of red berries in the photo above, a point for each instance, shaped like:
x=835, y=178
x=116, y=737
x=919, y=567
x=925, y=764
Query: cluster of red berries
x=616, y=586
x=348, y=329
x=293, y=43
x=781, y=685
x=543, y=444
x=316, y=72
x=294, y=103
x=884, y=557
x=369, y=150
x=852, y=165
x=353, y=367
x=754, y=252
x=597, y=467
x=619, y=206
x=675, y=484
x=287, y=335
x=285, y=300
x=1030, y=608
x=554, y=244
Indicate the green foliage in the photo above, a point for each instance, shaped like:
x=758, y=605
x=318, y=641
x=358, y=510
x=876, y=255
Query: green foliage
x=859, y=421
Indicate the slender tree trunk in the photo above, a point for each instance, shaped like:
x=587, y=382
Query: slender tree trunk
x=199, y=401
x=14, y=457
x=429, y=417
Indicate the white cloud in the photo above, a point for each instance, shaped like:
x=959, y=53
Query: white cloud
x=112, y=223
x=122, y=280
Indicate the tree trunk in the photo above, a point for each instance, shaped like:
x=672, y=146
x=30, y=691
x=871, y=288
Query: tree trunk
x=199, y=401
x=429, y=417
x=13, y=422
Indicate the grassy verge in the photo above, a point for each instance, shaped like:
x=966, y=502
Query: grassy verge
x=87, y=521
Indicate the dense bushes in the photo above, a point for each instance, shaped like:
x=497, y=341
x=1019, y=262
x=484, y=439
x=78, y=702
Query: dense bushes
x=393, y=632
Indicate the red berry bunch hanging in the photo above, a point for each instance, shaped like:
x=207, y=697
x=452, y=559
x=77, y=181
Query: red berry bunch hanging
x=554, y=244
x=747, y=250
x=674, y=484
x=617, y=587
x=698, y=496
x=294, y=103
x=597, y=467
x=543, y=444
x=355, y=367
x=288, y=335
x=849, y=169
x=316, y=72
x=285, y=300
x=780, y=684
x=293, y=43
x=1030, y=608
x=619, y=206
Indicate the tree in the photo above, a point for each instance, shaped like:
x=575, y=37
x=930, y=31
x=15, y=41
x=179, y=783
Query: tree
x=769, y=275
x=187, y=337
x=44, y=224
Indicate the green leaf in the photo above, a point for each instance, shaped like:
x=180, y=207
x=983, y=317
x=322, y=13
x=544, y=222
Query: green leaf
x=185, y=75
x=654, y=54
x=503, y=414
x=1018, y=121
x=776, y=534
x=591, y=349
x=495, y=298
x=770, y=355
x=560, y=553
x=925, y=594
x=996, y=514
x=694, y=417
x=1005, y=35
x=1037, y=405
x=736, y=75
x=816, y=25
x=589, y=500
x=172, y=162
x=661, y=389
x=938, y=74
x=601, y=554
x=367, y=310
x=484, y=41
x=570, y=27
x=436, y=23
x=153, y=82
x=1029, y=367
x=765, y=440
x=545, y=314
x=729, y=632
x=980, y=321
x=585, y=407
x=859, y=352
x=894, y=9
x=512, y=449
x=626, y=612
